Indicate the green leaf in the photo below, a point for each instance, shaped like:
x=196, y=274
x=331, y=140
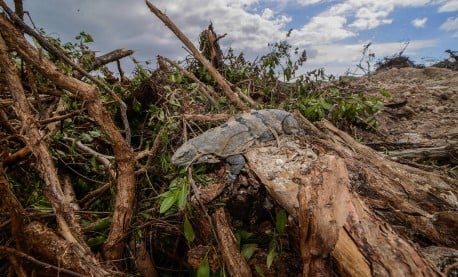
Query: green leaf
x=95, y=133
x=188, y=231
x=102, y=224
x=168, y=201
x=271, y=256
x=85, y=137
x=96, y=241
x=248, y=250
x=241, y=235
x=204, y=268
x=183, y=196
x=259, y=270
x=280, y=221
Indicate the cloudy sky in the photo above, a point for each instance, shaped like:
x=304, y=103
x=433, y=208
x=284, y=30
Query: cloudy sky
x=332, y=32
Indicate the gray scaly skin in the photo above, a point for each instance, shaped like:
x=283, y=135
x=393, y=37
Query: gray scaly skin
x=230, y=140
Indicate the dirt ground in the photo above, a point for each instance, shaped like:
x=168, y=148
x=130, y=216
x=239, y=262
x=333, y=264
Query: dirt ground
x=421, y=111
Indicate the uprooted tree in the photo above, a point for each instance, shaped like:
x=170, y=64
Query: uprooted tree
x=87, y=187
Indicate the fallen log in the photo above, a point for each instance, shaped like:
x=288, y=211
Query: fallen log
x=395, y=212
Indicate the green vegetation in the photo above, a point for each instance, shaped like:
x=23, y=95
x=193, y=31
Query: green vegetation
x=156, y=99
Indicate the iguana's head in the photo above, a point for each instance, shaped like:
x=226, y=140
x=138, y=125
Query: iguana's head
x=189, y=154
x=185, y=155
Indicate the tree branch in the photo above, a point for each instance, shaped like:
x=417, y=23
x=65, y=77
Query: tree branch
x=223, y=83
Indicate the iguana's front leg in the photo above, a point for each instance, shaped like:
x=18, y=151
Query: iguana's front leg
x=237, y=162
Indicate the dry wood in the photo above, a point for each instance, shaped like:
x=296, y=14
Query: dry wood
x=236, y=264
x=323, y=209
x=433, y=153
x=102, y=159
x=123, y=152
x=111, y=57
x=210, y=48
x=17, y=156
x=44, y=242
x=10, y=203
x=223, y=83
x=369, y=243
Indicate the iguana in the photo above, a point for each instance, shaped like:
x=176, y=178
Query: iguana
x=229, y=140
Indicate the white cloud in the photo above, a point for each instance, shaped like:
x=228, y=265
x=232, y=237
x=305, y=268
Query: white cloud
x=370, y=18
x=308, y=2
x=337, y=58
x=450, y=25
x=449, y=6
x=250, y=25
x=321, y=30
x=369, y=14
x=267, y=13
x=419, y=22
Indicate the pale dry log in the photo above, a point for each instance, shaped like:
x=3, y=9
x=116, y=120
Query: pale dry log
x=400, y=194
x=367, y=244
x=223, y=83
x=323, y=209
x=236, y=264
x=387, y=253
x=124, y=156
x=351, y=261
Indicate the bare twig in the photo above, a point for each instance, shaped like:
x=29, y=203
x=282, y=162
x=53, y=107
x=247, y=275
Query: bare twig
x=114, y=55
x=223, y=83
x=203, y=87
x=101, y=158
x=90, y=197
x=59, y=117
